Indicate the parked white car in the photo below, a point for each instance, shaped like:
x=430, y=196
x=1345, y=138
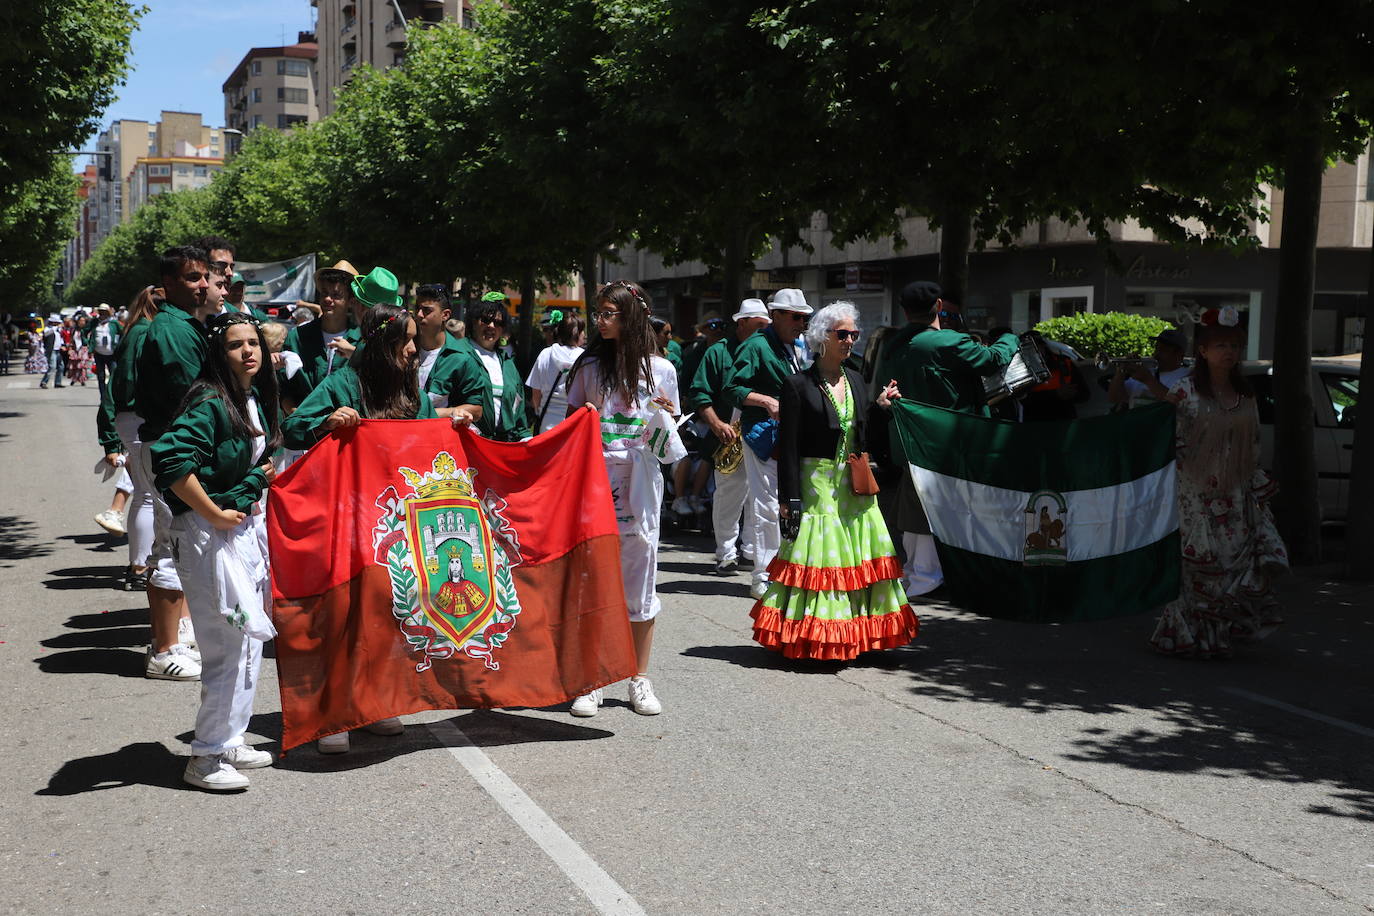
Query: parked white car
x=1335, y=394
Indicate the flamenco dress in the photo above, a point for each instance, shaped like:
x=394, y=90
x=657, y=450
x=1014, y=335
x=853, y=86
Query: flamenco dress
x=836, y=590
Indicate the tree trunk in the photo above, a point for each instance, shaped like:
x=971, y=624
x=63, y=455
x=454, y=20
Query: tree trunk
x=525, y=340
x=732, y=270
x=956, y=237
x=1296, y=507
x=590, y=278
x=1359, y=524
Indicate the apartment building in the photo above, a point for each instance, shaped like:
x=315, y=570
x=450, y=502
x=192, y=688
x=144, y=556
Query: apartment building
x=272, y=87
x=355, y=32
x=186, y=169
x=1058, y=269
x=127, y=141
x=79, y=248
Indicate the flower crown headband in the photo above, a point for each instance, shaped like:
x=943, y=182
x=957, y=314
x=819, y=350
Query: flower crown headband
x=381, y=328
x=222, y=326
x=633, y=291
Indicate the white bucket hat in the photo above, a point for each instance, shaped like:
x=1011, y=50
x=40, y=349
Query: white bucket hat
x=750, y=308
x=790, y=300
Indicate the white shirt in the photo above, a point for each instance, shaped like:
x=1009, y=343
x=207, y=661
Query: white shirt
x=498, y=381
x=552, y=360
x=1138, y=391
x=329, y=338
x=427, y=360
x=622, y=423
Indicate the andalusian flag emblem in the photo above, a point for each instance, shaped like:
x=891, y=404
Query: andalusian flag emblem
x=1071, y=520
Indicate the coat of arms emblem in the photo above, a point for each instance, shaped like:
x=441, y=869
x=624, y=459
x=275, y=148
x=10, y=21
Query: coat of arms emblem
x=449, y=556
x=1047, y=514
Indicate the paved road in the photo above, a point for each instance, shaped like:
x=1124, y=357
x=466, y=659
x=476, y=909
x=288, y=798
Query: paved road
x=990, y=768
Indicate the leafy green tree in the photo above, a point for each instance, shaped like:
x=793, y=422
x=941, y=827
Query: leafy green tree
x=34, y=229
x=269, y=196
x=127, y=260
x=60, y=61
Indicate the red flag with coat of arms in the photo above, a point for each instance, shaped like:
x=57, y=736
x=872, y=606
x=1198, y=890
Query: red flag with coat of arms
x=417, y=567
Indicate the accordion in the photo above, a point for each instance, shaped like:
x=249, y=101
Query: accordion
x=1028, y=368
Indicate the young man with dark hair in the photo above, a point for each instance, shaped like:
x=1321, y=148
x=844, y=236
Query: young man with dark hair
x=174, y=352
x=438, y=355
x=220, y=251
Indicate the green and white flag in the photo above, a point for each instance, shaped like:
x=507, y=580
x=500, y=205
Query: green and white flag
x=1073, y=520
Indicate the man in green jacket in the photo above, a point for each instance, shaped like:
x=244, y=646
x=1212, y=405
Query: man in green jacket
x=485, y=378
x=761, y=364
x=706, y=395
x=173, y=353
x=933, y=361
x=323, y=344
x=439, y=356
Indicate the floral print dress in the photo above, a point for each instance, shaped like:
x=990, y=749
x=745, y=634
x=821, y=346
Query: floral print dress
x=1231, y=547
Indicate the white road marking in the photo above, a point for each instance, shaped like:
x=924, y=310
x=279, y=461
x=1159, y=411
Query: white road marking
x=601, y=889
x=1299, y=711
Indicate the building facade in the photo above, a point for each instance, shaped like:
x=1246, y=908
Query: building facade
x=1058, y=269
x=354, y=32
x=128, y=141
x=272, y=87
x=79, y=249
x=186, y=169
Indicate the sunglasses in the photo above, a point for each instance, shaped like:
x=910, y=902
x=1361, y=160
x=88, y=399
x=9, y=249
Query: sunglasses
x=846, y=335
x=715, y=324
x=494, y=320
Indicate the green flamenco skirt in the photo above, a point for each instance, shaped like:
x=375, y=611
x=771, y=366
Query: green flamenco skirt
x=836, y=590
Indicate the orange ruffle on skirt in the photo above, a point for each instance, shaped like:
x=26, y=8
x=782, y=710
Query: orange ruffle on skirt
x=833, y=578
x=812, y=637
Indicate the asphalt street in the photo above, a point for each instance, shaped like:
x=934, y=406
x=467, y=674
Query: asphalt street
x=991, y=767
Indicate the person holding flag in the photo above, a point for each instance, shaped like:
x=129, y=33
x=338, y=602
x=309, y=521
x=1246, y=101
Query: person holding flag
x=635, y=390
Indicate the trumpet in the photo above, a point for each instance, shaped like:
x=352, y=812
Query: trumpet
x=728, y=455
x=1129, y=364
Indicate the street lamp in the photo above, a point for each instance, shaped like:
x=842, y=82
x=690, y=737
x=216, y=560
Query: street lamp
x=234, y=131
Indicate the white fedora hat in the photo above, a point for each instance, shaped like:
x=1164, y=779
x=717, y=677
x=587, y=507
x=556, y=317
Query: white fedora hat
x=750, y=308
x=790, y=300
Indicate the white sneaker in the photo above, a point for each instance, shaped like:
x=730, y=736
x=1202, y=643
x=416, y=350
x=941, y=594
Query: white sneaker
x=111, y=521
x=214, y=774
x=244, y=757
x=172, y=665
x=642, y=697
x=758, y=588
x=190, y=652
x=333, y=744
x=698, y=503
x=682, y=506
x=586, y=705
x=186, y=633
x=387, y=727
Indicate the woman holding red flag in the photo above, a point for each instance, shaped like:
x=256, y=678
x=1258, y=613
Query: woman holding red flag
x=621, y=376
x=380, y=382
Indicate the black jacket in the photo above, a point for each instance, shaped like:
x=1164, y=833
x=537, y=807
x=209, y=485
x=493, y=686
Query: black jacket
x=809, y=426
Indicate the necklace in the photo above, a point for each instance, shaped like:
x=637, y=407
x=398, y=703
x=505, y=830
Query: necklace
x=1234, y=407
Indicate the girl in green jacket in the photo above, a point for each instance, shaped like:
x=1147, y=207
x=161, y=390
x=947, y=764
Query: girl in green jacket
x=213, y=463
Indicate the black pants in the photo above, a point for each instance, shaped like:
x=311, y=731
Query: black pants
x=103, y=364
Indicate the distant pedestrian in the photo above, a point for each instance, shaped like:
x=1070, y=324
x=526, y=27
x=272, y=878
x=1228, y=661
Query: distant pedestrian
x=104, y=338
x=52, y=352
x=548, y=380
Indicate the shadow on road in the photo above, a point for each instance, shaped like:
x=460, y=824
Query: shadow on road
x=96, y=543
x=734, y=588
x=484, y=728
x=144, y=764
x=755, y=656
x=119, y=662
x=19, y=542
x=101, y=577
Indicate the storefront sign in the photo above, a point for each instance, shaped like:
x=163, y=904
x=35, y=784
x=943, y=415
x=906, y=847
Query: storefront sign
x=1140, y=269
x=860, y=278
x=1058, y=272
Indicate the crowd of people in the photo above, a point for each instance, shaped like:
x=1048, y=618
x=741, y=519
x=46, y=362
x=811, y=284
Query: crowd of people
x=209, y=399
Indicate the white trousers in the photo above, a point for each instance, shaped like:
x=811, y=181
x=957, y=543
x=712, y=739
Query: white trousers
x=921, y=572
x=230, y=660
x=730, y=500
x=763, y=501
x=162, y=570
x=637, y=491
x=139, y=512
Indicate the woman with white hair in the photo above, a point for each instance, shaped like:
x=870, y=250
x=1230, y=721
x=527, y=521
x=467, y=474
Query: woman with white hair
x=835, y=588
